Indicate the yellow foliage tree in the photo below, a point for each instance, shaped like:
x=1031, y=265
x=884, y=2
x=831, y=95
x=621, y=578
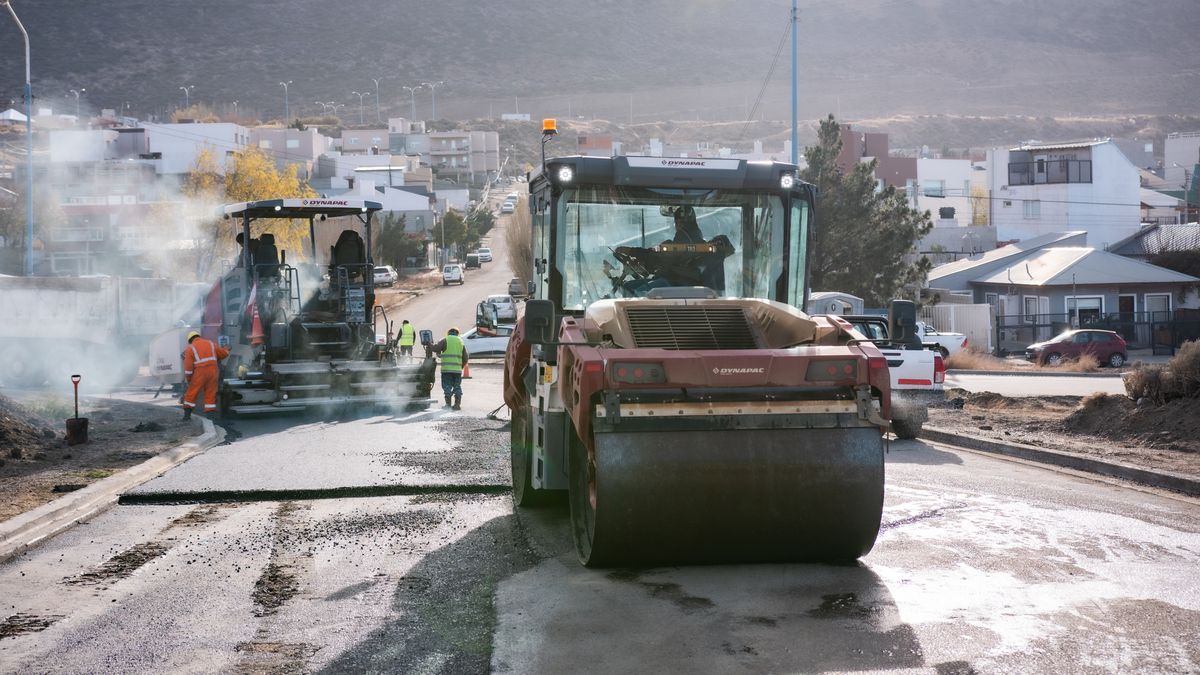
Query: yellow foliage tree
x=250, y=175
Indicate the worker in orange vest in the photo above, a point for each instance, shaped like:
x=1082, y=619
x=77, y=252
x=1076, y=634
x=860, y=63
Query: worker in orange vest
x=200, y=367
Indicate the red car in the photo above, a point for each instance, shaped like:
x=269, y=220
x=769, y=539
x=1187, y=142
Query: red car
x=1107, y=346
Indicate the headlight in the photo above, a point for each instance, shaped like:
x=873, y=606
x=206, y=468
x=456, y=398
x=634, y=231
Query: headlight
x=565, y=174
x=787, y=181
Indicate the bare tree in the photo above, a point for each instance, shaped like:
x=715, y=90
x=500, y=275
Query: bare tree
x=518, y=235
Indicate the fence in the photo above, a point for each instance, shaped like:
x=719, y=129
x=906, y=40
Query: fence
x=1161, y=332
x=974, y=321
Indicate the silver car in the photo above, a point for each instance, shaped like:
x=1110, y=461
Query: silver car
x=506, y=307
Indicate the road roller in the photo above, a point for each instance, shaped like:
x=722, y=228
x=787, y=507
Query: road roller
x=664, y=378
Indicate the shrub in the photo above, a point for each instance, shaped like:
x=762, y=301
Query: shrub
x=969, y=359
x=1085, y=363
x=1180, y=378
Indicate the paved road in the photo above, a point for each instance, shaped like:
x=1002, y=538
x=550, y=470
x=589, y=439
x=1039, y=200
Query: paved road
x=381, y=541
x=1037, y=385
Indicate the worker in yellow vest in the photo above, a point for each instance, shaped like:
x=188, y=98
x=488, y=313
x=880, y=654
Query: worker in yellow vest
x=454, y=357
x=408, y=337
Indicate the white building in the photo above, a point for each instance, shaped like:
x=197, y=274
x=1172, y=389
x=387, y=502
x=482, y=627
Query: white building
x=179, y=145
x=1038, y=188
x=945, y=183
x=1181, y=154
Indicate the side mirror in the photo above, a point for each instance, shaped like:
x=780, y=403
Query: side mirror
x=540, y=323
x=427, y=338
x=902, y=322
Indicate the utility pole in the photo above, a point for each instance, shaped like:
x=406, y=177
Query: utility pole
x=286, y=111
x=76, y=93
x=795, y=111
x=28, y=145
x=378, y=116
x=433, y=96
x=412, y=92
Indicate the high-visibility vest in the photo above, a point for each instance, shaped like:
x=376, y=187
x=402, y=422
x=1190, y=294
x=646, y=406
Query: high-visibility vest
x=408, y=335
x=452, y=356
x=201, y=353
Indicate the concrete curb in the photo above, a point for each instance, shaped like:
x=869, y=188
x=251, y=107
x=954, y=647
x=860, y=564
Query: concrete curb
x=1149, y=477
x=1033, y=373
x=47, y=520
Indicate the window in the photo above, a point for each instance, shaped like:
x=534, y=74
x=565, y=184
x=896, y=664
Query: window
x=1033, y=209
x=933, y=188
x=1158, y=305
x=264, y=144
x=992, y=299
x=293, y=143
x=1031, y=308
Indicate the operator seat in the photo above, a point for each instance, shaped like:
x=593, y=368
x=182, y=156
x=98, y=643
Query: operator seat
x=350, y=252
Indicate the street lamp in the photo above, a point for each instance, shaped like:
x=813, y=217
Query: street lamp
x=433, y=96
x=412, y=92
x=360, y=104
x=287, y=113
x=77, y=93
x=187, y=95
x=28, y=145
x=378, y=116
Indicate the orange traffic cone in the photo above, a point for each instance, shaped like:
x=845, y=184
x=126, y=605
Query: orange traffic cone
x=256, y=329
x=467, y=371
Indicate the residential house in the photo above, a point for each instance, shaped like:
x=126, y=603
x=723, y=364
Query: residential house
x=1039, y=188
x=956, y=277
x=178, y=146
x=597, y=145
x=289, y=146
x=859, y=147
x=1181, y=154
x=365, y=141
x=1159, y=238
x=943, y=184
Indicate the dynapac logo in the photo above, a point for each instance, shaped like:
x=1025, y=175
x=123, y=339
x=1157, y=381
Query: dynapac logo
x=685, y=162
x=739, y=371
x=325, y=202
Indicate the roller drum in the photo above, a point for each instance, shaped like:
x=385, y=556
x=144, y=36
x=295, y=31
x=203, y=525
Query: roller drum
x=713, y=495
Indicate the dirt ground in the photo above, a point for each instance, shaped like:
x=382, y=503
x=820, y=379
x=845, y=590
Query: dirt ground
x=37, y=465
x=1111, y=427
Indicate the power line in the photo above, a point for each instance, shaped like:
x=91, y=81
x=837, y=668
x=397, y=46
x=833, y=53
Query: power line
x=770, y=73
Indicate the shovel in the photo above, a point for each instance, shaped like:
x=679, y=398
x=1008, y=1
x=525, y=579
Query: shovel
x=77, y=427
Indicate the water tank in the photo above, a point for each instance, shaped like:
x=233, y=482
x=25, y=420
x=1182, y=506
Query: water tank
x=946, y=213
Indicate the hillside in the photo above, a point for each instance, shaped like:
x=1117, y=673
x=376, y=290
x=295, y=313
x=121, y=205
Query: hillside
x=693, y=59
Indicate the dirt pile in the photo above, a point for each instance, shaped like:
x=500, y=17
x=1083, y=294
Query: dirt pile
x=23, y=433
x=1174, y=425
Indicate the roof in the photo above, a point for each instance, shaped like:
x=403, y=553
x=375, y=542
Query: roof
x=11, y=115
x=1081, y=266
x=1156, y=239
x=1157, y=200
x=1067, y=145
x=1018, y=249
x=301, y=208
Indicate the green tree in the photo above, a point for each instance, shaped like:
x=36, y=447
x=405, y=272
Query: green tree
x=865, y=241
x=479, y=222
x=392, y=244
x=455, y=229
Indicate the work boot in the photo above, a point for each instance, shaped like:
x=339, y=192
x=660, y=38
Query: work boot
x=187, y=414
x=458, y=403
x=447, y=402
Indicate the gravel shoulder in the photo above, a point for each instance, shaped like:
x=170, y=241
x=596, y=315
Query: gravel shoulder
x=37, y=466
x=1164, y=438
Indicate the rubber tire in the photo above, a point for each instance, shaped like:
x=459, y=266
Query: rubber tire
x=581, y=478
x=1053, y=359
x=1116, y=360
x=521, y=461
x=906, y=430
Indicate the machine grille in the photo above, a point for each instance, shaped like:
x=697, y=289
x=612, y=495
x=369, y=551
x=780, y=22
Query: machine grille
x=684, y=327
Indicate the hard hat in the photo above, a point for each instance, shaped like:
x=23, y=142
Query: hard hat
x=192, y=336
x=453, y=331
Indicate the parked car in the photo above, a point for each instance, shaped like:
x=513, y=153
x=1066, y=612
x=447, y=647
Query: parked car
x=512, y=197
x=485, y=254
x=473, y=261
x=386, y=275
x=1108, y=347
x=506, y=307
x=947, y=343
x=483, y=343
x=507, y=207
x=453, y=273
x=516, y=288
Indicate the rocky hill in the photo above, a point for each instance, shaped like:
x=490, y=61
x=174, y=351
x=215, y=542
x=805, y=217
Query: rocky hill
x=679, y=59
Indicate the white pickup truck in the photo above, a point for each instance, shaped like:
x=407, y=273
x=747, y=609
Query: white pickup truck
x=947, y=343
x=918, y=369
